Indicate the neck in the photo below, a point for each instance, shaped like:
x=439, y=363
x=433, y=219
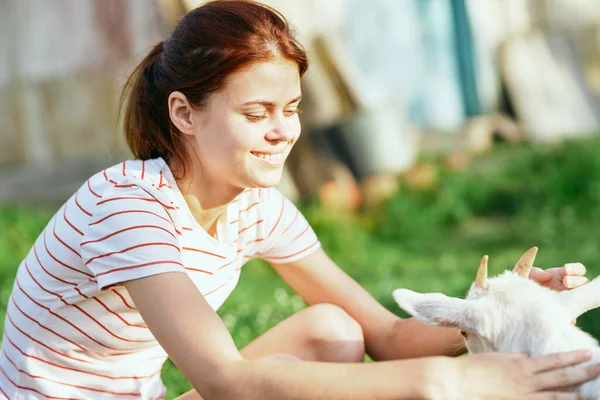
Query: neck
x=206, y=201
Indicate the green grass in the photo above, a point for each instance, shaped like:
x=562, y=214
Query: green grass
x=430, y=240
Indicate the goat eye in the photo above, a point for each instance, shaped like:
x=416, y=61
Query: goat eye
x=464, y=334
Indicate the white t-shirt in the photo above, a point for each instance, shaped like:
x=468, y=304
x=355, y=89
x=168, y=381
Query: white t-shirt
x=73, y=332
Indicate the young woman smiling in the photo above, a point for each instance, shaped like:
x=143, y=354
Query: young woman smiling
x=132, y=268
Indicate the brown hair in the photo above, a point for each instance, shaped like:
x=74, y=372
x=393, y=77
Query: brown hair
x=208, y=44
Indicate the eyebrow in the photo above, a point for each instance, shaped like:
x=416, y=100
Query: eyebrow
x=267, y=103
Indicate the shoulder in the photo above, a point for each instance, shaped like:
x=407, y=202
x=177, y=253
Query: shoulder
x=132, y=189
x=152, y=175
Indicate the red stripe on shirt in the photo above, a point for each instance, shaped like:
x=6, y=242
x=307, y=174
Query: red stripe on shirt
x=129, y=211
x=46, y=328
x=296, y=253
x=108, y=180
x=61, y=241
x=55, y=314
x=86, y=314
x=123, y=298
x=48, y=272
x=215, y=289
x=255, y=241
x=291, y=223
x=60, y=262
x=280, y=215
x=34, y=390
x=42, y=344
x=3, y=392
x=229, y=263
x=74, y=369
x=250, y=226
x=250, y=206
x=117, y=315
x=67, y=384
x=91, y=191
x=79, y=205
x=204, y=252
x=128, y=229
x=68, y=222
x=111, y=333
x=137, y=246
x=302, y=233
x=198, y=270
x=135, y=198
x=139, y=266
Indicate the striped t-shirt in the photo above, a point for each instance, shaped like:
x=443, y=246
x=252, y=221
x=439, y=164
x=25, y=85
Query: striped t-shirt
x=71, y=329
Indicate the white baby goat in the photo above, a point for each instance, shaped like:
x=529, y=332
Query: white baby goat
x=513, y=313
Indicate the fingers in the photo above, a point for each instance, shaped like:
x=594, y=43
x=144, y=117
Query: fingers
x=565, y=377
x=538, y=274
x=559, y=360
x=571, y=282
x=577, y=269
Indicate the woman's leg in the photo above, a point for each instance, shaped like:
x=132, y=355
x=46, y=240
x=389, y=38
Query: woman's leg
x=322, y=332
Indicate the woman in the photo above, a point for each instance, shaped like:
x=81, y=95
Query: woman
x=132, y=268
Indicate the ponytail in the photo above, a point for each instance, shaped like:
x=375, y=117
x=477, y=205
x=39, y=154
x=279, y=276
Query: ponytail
x=209, y=44
x=147, y=127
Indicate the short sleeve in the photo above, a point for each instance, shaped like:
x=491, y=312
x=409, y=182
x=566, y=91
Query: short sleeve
x=289, y=236
x=131, y=235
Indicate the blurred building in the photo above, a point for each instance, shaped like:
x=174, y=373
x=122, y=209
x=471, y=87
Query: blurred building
x=382, y=71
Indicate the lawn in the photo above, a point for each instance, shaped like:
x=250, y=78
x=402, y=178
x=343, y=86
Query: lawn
x=427, y=240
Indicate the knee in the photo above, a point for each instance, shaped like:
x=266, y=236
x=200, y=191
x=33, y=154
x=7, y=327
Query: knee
x=335, y=334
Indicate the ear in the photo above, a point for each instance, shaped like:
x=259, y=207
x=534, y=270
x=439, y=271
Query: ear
x=582, y=299
x=439, y=309
x=180, y=112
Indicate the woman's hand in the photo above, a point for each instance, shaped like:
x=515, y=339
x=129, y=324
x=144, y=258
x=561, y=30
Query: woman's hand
x=517, y=376
x=569, y=276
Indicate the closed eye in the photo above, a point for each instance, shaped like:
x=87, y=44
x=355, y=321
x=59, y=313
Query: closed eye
x=289, y=113
x=255, y=117
x=259, y=117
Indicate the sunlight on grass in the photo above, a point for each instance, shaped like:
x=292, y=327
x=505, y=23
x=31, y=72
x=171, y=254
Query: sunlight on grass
x=430, y=240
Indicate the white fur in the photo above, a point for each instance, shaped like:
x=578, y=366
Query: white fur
x=514, y=314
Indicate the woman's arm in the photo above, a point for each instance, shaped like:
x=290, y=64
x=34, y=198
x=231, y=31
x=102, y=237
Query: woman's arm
x=201, y=346
x=317, y=279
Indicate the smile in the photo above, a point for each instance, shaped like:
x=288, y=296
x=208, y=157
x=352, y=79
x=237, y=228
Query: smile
x=271, y=160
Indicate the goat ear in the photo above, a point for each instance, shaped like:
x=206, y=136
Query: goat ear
x=438, y=309
x=582, y=299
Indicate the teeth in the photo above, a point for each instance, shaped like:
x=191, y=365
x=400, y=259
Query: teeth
x=269, y=157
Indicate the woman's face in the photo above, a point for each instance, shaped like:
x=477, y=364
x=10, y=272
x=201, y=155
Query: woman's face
x=245, y=132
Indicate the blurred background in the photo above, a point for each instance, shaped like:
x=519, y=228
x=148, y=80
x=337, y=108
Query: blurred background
x=434, y=132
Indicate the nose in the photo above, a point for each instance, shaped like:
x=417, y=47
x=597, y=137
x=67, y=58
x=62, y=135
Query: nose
x=281, y=130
